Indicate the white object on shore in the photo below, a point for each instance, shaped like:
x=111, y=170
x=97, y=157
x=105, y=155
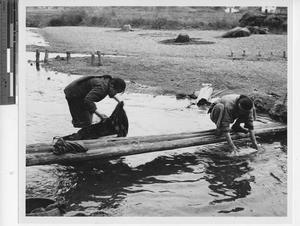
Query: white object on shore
x=204, y=94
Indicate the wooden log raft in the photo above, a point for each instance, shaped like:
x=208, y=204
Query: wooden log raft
x=114, y=141
x=41, y=154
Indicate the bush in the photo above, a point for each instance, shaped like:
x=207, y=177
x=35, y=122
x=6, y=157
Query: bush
x=37, y=20
x=223, y=23
x=163, y=23
x=212, y=18
x=70, y=18
x=56, y=22
x=99, y=21
x=138, y=22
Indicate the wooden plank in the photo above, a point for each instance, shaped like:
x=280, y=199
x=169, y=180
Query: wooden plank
x=114, y=141
x=133, y=148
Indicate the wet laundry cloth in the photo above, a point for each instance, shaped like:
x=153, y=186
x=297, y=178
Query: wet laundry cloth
x=117, y=123
x=119, y=120
x=62, y=146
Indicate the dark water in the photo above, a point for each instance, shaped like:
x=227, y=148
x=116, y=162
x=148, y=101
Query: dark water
x=183, y=182
x=176, y=183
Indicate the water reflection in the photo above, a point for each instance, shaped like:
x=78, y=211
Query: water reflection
x=52, y=181
x=226, y=180
x=37, y=66
x=108, y=183
x=102, y=187
x=114, y=188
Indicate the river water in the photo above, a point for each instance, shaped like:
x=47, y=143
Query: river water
x=180, y=182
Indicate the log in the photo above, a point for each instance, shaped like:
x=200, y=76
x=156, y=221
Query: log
x=114, y=141
x=99, y=58
x=92, y=59
x=133, y=148
x=46, y=58
x=37, y=60
x=68, y=56
x=37, y=56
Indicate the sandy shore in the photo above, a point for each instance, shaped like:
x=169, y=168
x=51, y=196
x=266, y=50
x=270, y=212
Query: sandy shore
x=152, y=63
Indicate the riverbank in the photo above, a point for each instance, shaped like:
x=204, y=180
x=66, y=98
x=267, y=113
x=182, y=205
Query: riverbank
x=151, y=62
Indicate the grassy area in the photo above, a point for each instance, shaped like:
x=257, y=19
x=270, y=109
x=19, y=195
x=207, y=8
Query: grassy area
x=138, y=17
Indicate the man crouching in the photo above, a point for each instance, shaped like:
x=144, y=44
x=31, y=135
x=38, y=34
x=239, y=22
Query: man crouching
x=230, y=108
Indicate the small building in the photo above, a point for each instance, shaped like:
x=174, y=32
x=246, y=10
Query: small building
x=268, y=9
x=232, y=9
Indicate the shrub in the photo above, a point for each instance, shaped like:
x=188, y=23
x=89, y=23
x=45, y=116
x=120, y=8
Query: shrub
x=163, y=23
x=56, y=22
x=99, y=21
x=37, y=20
x=70, y=18
x=212, y=18
x=138, y=22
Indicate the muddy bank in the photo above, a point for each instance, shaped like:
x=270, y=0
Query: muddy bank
x=254, y=65
x=271, y=103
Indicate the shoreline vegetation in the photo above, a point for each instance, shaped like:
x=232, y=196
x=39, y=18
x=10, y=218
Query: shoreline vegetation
x=147, y=17
x=255, y=65
x=138, y=17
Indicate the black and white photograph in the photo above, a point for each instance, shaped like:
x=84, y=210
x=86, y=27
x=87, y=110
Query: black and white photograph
x=152, y=112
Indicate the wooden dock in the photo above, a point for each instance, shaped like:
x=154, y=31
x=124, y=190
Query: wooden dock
x=112, y=147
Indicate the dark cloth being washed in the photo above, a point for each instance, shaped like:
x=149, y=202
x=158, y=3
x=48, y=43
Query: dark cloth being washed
x=82, y=94
x=117, y=123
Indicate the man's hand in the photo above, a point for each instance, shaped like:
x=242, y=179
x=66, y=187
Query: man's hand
x=254, y=142
x=101, y=116
x=258, y=147
x=234, y=151
x=116, y=99
x=254, y=145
